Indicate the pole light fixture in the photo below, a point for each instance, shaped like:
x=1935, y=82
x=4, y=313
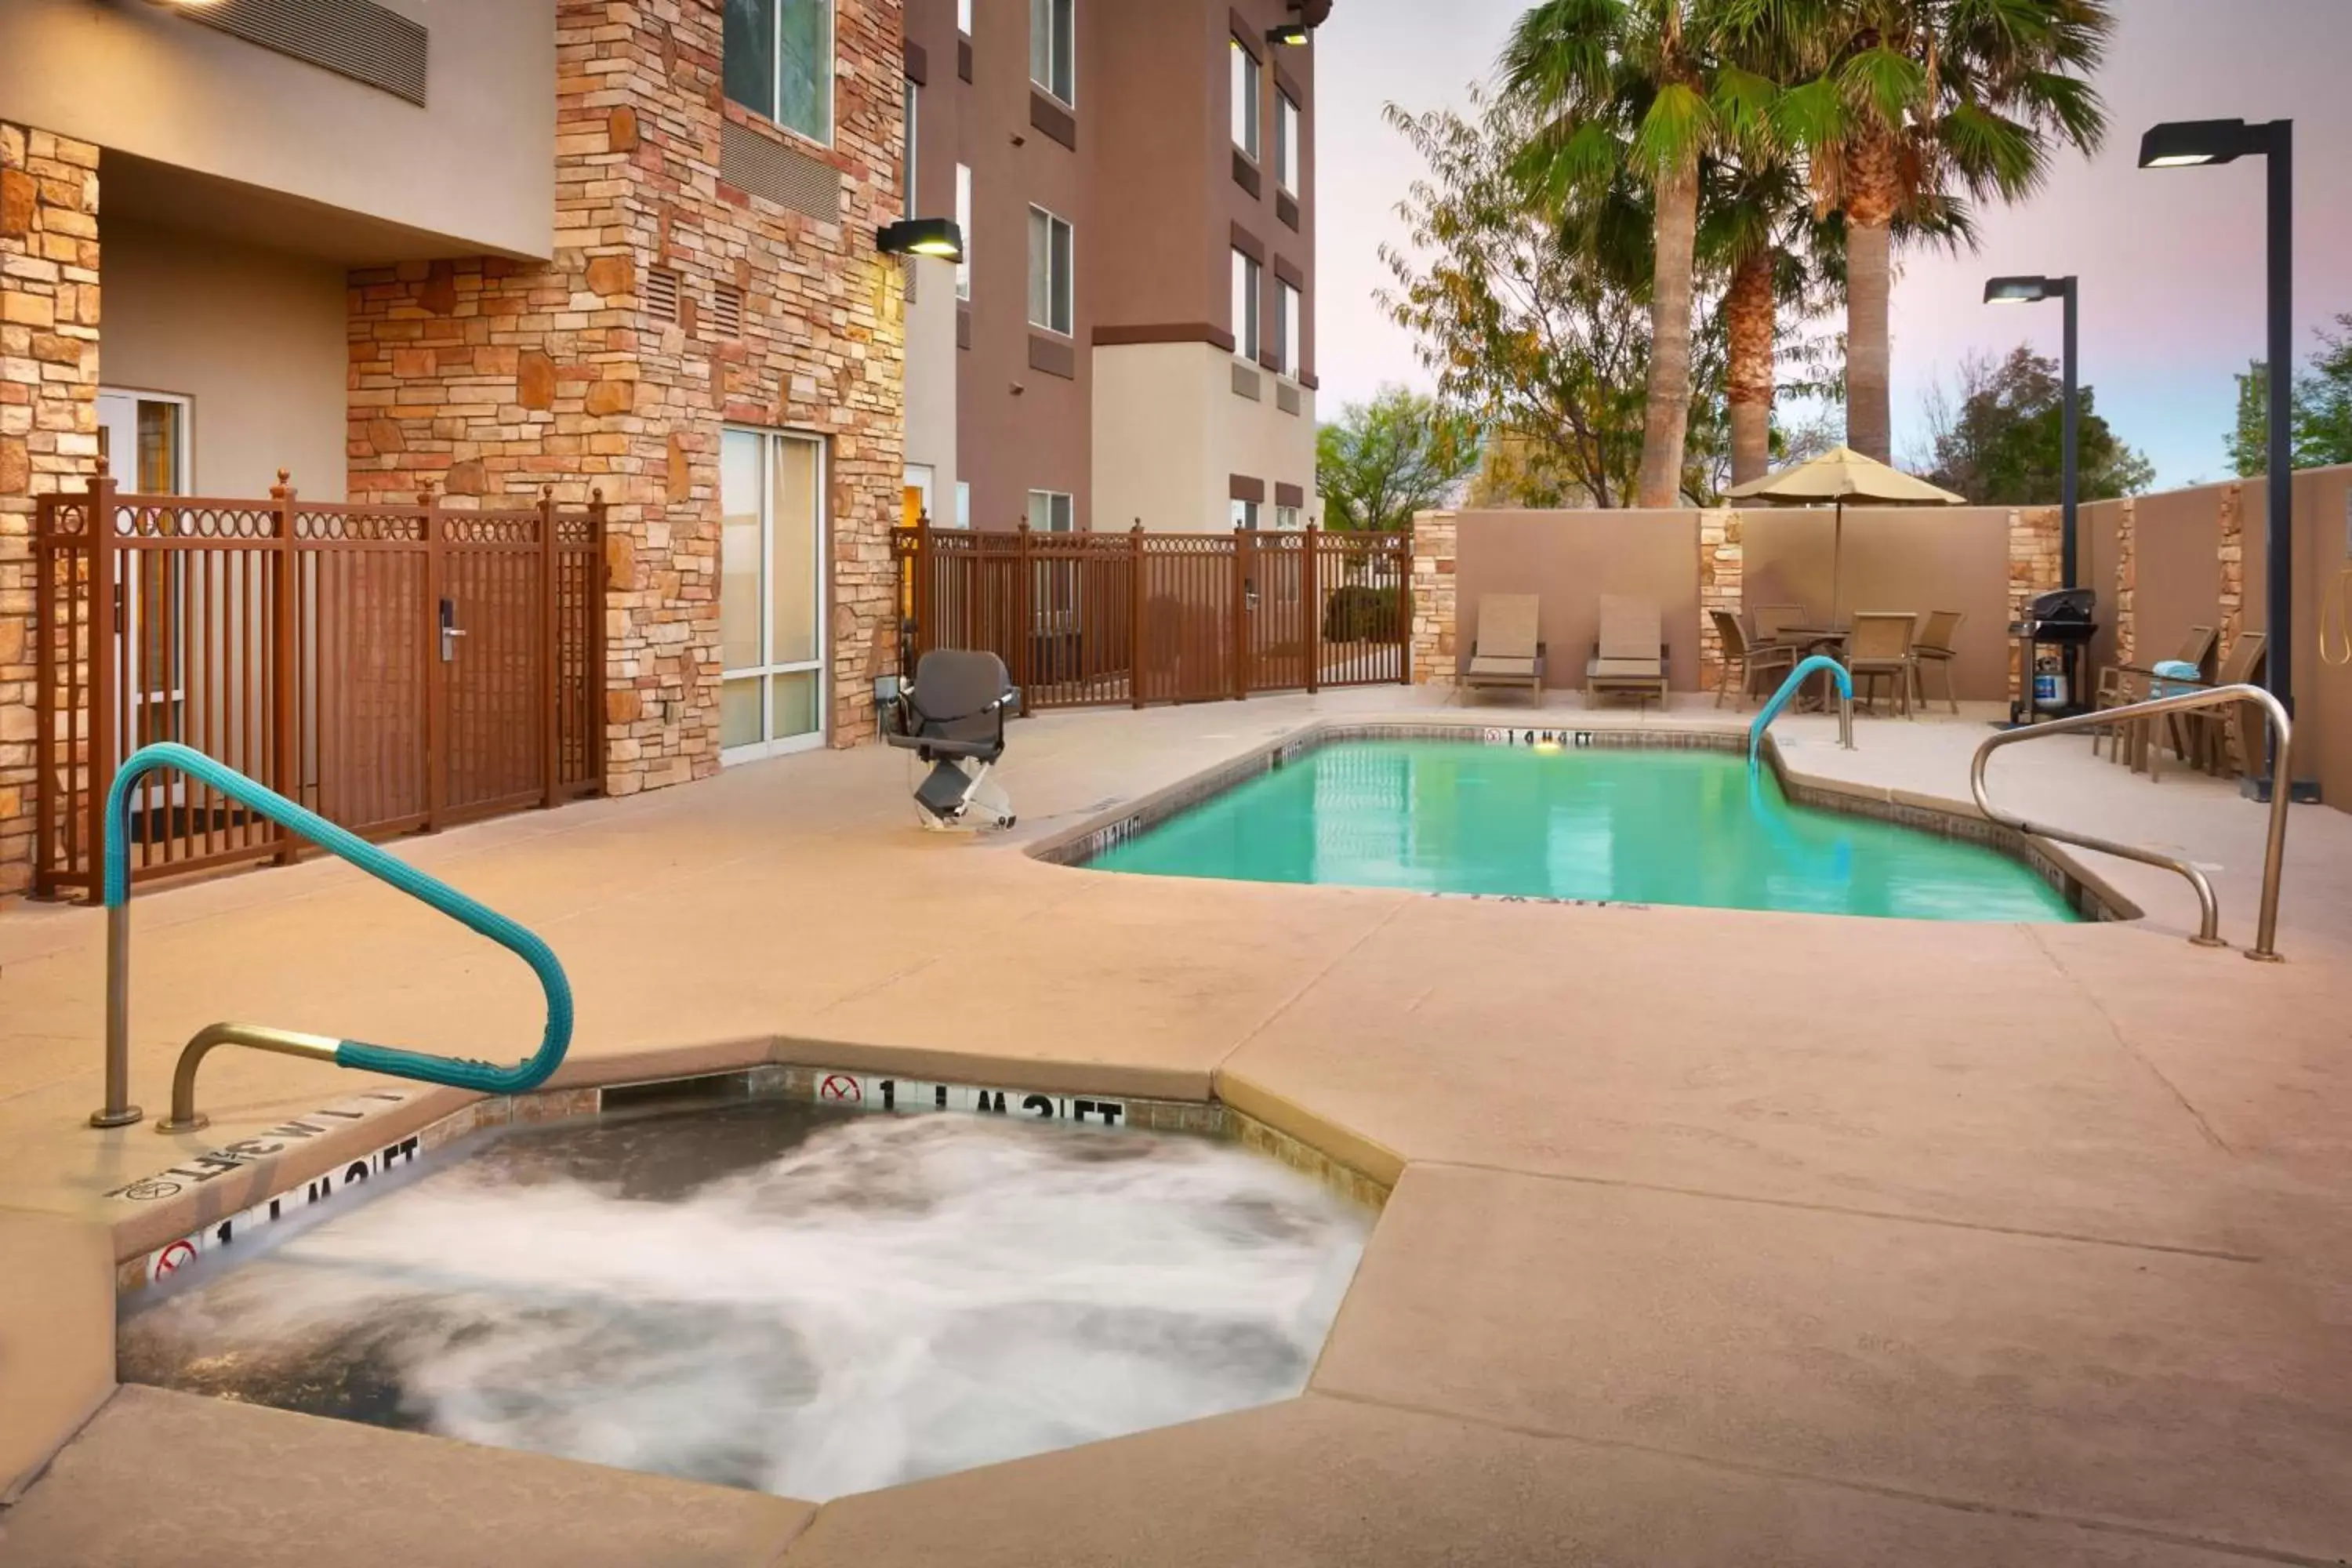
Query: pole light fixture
x=937, y=236
x=2184, y=143
x=2024, y=291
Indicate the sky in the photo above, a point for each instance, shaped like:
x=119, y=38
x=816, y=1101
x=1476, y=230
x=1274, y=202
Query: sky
x=2171, y=261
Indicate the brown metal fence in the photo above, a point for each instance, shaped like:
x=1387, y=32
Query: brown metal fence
x=393, y=667
x=1087, y=619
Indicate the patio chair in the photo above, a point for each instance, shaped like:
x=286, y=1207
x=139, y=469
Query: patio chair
x=1631, y=656
x=2219, y=739
x=953, y=717
x=1881, y=650
x=1773, y=621
x=1506, y=651
x=1754, y=660
x=1939, y=645
x=2123, y=684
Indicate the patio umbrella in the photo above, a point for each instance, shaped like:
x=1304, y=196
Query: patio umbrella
x=1838, y=476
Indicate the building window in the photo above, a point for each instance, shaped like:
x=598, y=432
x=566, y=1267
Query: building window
x=1050, y=512
x=1053, y=47
x=1246, y=515
x=1285, y=327
x=1286, y=519
x=963, y=494
x=1245, y=306
x=964, y=223
x=780, y=62
x=1246, y=71
x=1285, y=143
x=1050, y=302
x=963, y=17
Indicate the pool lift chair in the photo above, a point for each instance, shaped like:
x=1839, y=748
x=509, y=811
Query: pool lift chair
x=953, y=717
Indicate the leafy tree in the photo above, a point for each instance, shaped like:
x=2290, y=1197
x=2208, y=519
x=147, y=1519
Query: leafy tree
x=1384, y=460
x=2322, y=405
x=1524, y=311
x=1908, y=110
x=2004, y=445
x=1634, y=89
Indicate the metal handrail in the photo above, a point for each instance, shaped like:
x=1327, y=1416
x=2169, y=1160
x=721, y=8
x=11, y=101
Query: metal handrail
x=1783, y=697
x=2208, y=933
x=455, y=1072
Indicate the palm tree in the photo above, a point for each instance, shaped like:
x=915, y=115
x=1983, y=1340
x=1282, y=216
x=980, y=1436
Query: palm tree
x=1632, y=85
x=1756, y=226
x=1908, y=108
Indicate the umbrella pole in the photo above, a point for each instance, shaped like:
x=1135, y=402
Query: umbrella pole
x=1837, y=564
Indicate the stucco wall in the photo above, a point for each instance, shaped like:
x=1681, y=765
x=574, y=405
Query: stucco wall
x=2175, y=537
x=255, y=338
x=476, y=164
x=1569, y=559
x=1896, y=558
x=932, y=379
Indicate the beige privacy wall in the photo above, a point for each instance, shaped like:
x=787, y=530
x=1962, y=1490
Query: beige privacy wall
x=1568, y=559
x=1957, y=558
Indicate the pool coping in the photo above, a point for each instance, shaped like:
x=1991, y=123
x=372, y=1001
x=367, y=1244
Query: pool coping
x=2088, y=894
x=178, y=1214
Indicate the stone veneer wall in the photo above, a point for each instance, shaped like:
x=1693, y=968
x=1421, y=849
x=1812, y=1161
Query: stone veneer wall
x=2231, y=557
x=489, y=377
x=49, y=414
x=2127, y=579
x=1722, y=570
x=1433, y=594
x=2036, y=541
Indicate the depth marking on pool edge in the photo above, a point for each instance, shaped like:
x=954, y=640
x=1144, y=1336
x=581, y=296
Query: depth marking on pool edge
x=198, y=1169
x=856, y=1091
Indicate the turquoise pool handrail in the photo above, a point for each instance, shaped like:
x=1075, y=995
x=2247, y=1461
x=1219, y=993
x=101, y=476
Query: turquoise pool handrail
x=455, y=1072
x=1787, y=694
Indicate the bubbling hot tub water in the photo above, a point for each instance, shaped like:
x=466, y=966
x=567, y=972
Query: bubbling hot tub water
x=769, y=1296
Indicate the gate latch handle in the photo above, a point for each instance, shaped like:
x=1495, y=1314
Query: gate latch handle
x=450, y=631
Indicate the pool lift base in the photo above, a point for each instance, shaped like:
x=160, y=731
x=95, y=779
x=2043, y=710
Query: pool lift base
x=957, y=794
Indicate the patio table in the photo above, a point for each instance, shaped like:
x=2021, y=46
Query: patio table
x=1816, y=639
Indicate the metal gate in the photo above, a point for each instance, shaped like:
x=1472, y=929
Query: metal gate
x=393, y=668
x=1089, y=619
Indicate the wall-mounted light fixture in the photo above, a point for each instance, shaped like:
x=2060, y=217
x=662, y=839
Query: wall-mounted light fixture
x=1294, y=33
x=937, y=236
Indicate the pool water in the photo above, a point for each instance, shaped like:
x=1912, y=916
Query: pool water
x=1623, y=824
x=780, y=1297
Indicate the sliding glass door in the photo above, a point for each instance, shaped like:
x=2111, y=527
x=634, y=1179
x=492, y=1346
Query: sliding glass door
x=772, y=487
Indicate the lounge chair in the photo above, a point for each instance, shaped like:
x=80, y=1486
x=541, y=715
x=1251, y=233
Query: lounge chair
x=1506, y=651
x=1631, y=656
x=1754, y=659
x=1881, y=647
x=1938, y=645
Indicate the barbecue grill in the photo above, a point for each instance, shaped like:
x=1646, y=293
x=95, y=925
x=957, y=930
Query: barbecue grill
x=2061, y=621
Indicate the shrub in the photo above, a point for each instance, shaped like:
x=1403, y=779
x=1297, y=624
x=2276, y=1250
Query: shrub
x=1358, y=613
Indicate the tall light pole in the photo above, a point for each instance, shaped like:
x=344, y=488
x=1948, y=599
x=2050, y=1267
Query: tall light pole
x=2028, y=292
x=2184, y=144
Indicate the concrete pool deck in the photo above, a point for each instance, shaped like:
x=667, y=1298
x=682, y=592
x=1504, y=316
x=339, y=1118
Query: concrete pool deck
x=1717, y=1237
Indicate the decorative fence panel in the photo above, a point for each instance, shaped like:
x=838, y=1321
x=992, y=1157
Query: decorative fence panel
x=393, y=668
x=1086, y=619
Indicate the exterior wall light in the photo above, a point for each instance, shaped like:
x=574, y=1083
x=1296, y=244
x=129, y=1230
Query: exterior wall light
x=937, y=236
x=1294, y=33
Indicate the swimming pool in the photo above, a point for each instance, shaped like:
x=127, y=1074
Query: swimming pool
x=776, y=1295
x=1608, y=823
